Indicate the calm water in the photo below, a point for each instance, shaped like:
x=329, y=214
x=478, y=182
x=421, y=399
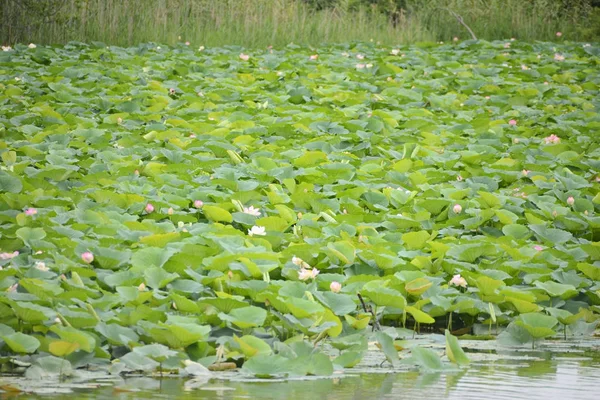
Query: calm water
x=564, y=377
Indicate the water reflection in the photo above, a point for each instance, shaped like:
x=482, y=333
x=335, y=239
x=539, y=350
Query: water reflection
x=562, y=378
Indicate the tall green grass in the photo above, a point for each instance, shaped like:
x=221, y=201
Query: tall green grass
x=258, y=23
x=501, y=19
x=249, y=23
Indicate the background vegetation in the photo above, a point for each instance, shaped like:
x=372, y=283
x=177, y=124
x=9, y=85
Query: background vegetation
x=277, y=22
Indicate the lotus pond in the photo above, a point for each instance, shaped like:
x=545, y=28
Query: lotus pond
x=298, y=213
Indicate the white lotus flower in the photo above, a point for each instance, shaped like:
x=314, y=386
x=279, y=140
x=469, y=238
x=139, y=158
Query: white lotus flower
x=297, y=261
x=458, y=280
x=257, y=230
x=305, y=274
x=252, y=211
x=41, y=266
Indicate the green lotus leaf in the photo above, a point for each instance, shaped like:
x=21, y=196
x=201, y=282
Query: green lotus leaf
x=455, y=353
x=21, y=343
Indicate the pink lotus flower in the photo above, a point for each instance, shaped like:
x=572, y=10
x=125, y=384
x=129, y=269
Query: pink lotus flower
x=458, y=280
x=149, y=208
x=170, y=211
x=570, y=200
x=198, y=203
x=546, y=83
x=512, y=122
x=136, y=172
x=558, y=34
x=30, y=211
x=455, y=38
x=335, y=287
x=525, y=172
x=524, y=67
x=559, y=57
x=537, y=247
x=297, y=261
x=360, y=66
x=314, y=57
x=360, y=56
x=507, y=45
x=172, y=91
x=457, y=209
x=552, y=139
x=8, y=256
x=244, y=57
x=87, y=257
x=13, y=288
x=187, y=43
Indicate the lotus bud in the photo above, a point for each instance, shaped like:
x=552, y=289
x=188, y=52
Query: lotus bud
x=335, y=287
x=87, y=257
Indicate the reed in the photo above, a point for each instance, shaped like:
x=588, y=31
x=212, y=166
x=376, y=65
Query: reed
x=258, y=23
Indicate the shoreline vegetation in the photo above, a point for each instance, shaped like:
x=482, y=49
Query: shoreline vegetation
x=261, y=23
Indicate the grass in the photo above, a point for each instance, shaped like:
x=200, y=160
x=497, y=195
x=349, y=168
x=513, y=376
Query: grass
x=252, y=23
x=260, y=23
